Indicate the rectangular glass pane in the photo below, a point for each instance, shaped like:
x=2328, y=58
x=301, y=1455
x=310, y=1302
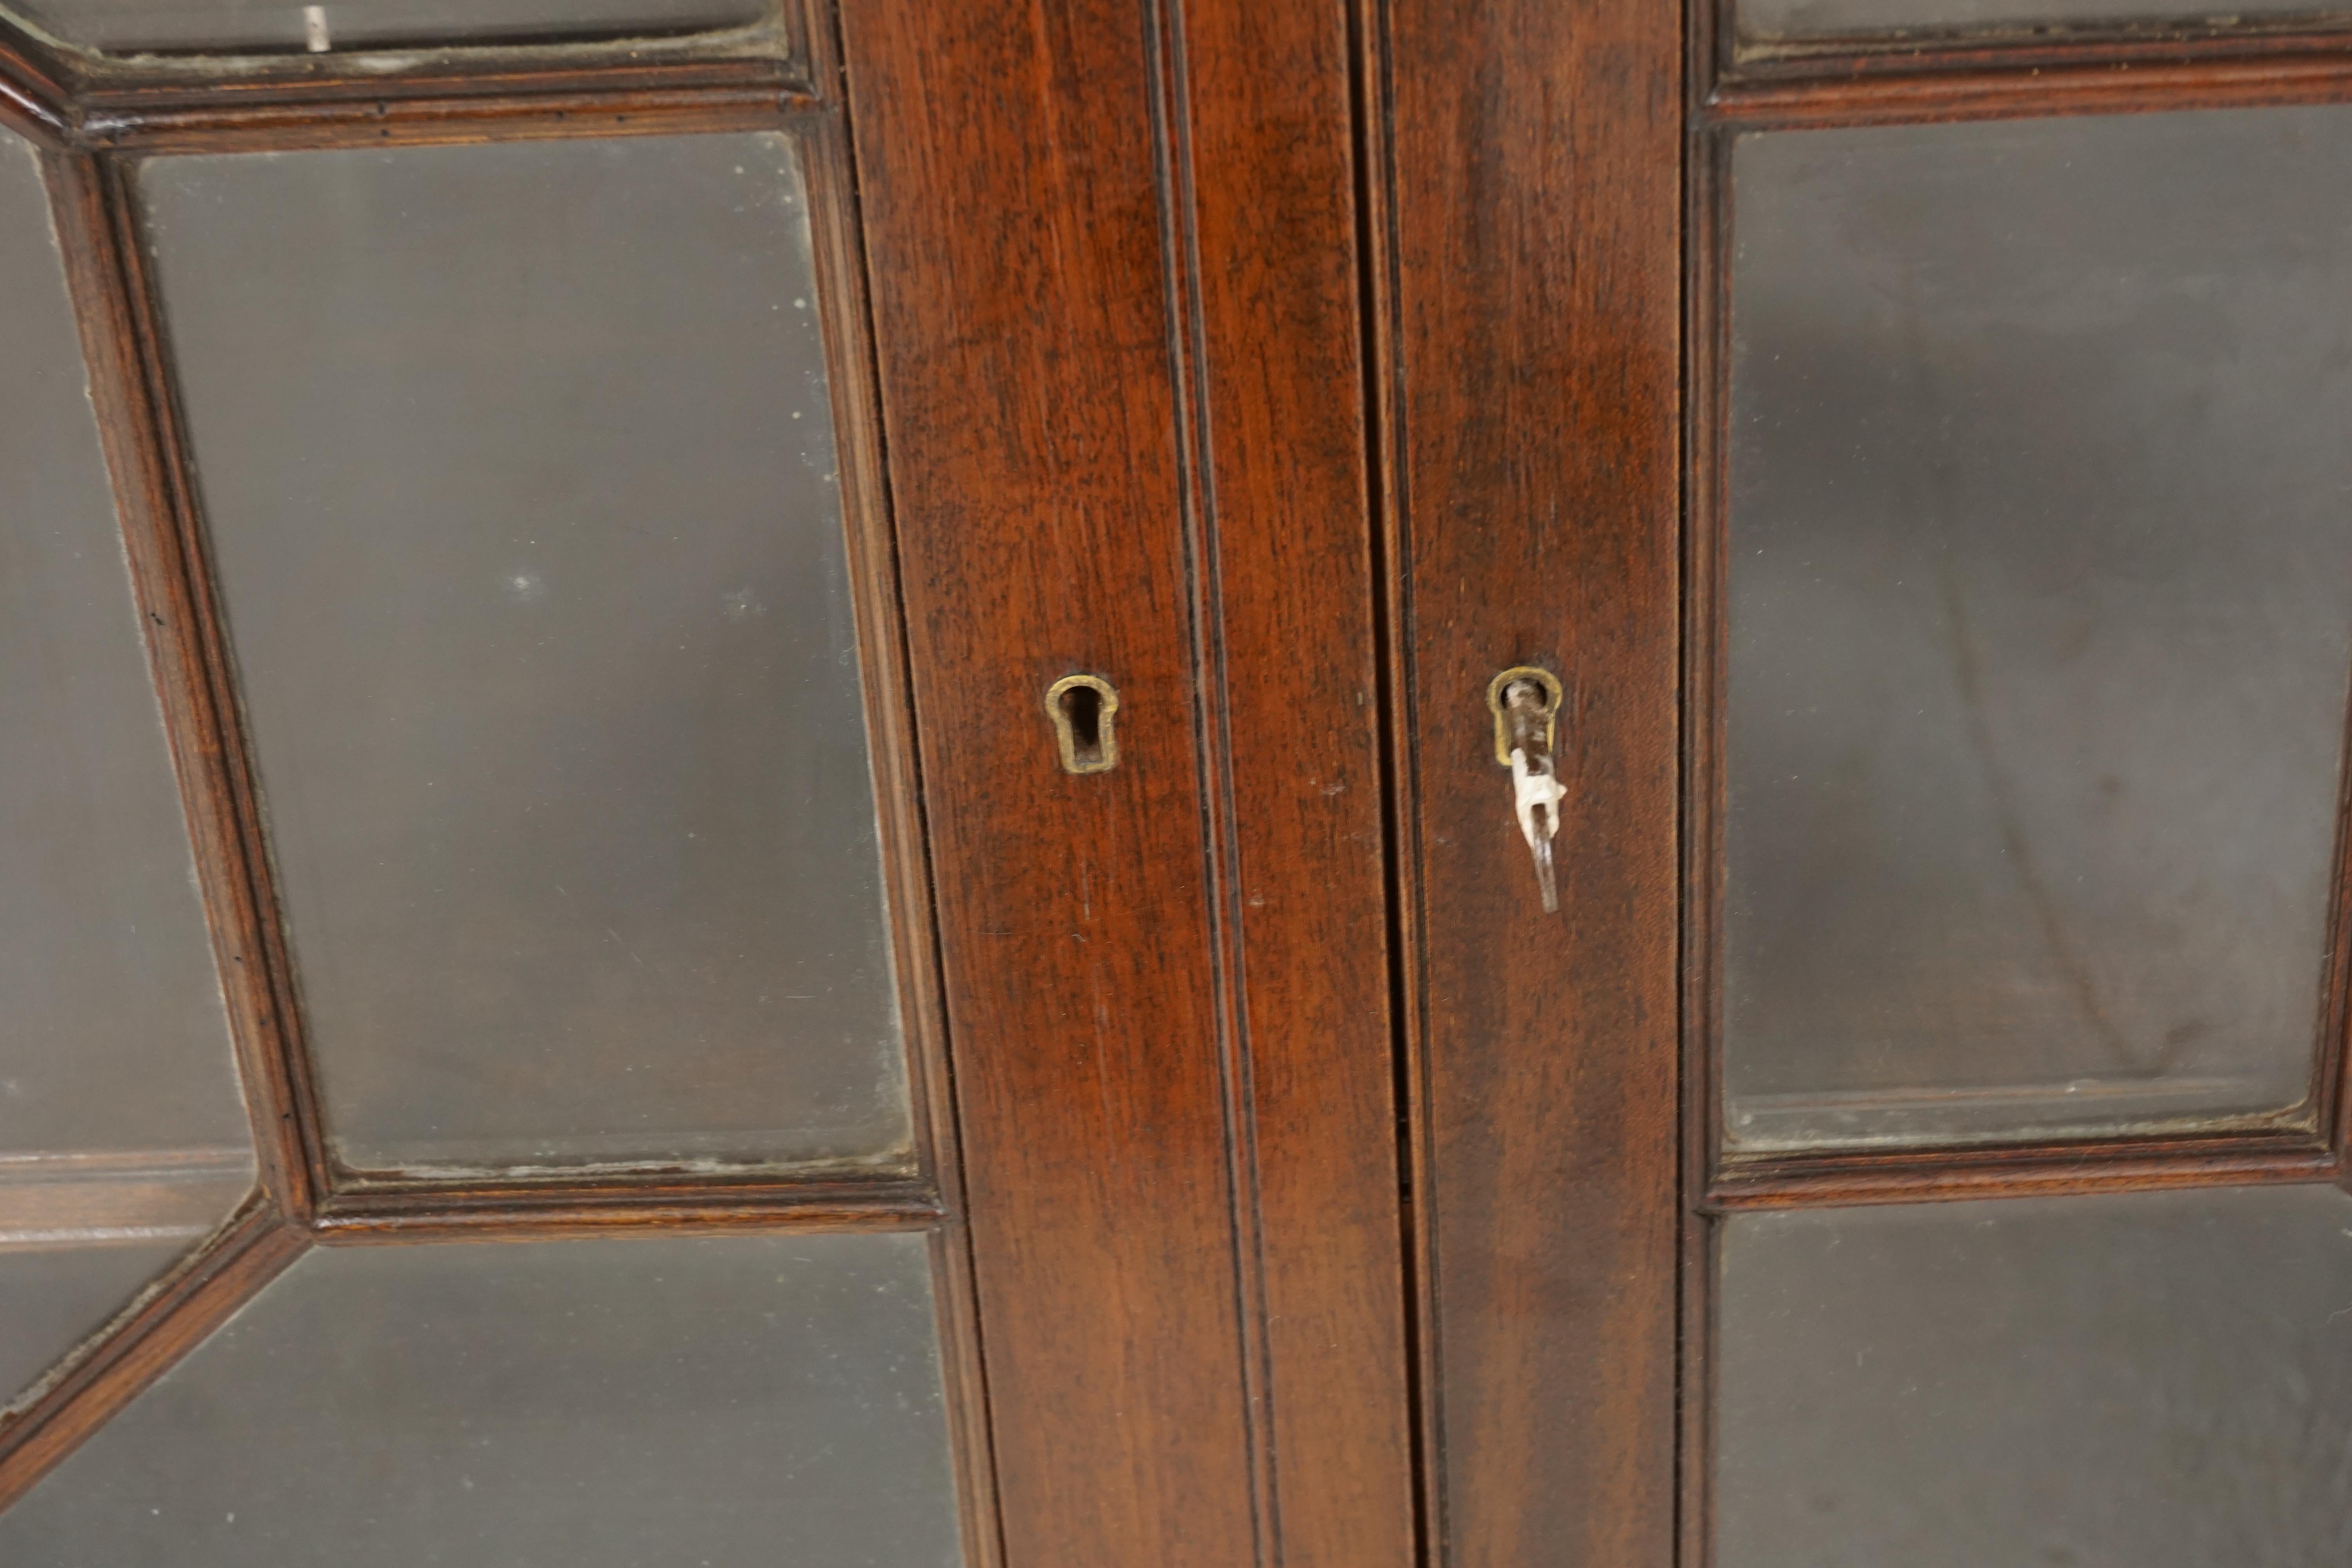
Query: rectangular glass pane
x=2156, y=1379
x=741, y=1401
x=519, y=467
x=140, y=26
x=123, y=1136
x=2040, y=618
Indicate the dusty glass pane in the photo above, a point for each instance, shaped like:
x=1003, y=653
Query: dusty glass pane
x=133, y=27
x=52, y=1298
x=2155, y=1379
x=520, y=472
x=121, y=1125
x=2040, y=620
x=1806, y=20
x=739, y=1401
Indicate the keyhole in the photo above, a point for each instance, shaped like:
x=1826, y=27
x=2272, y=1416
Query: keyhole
x=1084, y=709
x=1523, y=697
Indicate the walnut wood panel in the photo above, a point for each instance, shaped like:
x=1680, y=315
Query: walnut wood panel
x=1264, y=137
x=1014, y=244
x=1532, y=331
x=1117, y=448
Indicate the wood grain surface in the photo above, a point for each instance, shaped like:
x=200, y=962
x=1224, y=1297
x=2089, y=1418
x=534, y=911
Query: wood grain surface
x=1265, y=173
x=1532, y=363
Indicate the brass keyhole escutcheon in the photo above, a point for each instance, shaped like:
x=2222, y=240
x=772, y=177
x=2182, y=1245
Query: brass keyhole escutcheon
x=1498, y=698
x=1085, y=712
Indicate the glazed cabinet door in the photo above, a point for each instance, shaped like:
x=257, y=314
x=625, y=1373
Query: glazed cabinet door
x=1867, y=499
x=727, y=650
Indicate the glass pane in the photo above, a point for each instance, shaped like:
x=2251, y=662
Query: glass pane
x=119, y=1117
x=2155, y=1379
x=53, y=1297
x=1807, y=20
x=2039, y=621
x=131, y=27
x=518, y=466
x=738, y=1401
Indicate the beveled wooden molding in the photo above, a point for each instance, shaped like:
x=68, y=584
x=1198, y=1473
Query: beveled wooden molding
x=114, y=1368
x=1373, y=114
x=520, y=1212
x=838, y=250
x=138, y=424
x=2331, y=1088
x=2030, y=1169
x=1197, y=506
x=2089, y=79
x=35, y=100
x=1706, y=361
x=435, y=117
x=881, y=640
x=1260, y=145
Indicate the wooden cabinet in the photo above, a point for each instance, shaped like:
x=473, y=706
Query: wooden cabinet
x=843, y=679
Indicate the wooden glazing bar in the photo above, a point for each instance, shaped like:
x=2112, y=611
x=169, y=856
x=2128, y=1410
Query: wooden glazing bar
x=880, y=639
x=2102, y=1166
x=2332, y=1061
x=112, y=1370
x=420, y=118
x=2074, y=82
x=882, y=644
x=1706, y=381
x=452, y=1212
x=35, y=98
x=139, y=426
